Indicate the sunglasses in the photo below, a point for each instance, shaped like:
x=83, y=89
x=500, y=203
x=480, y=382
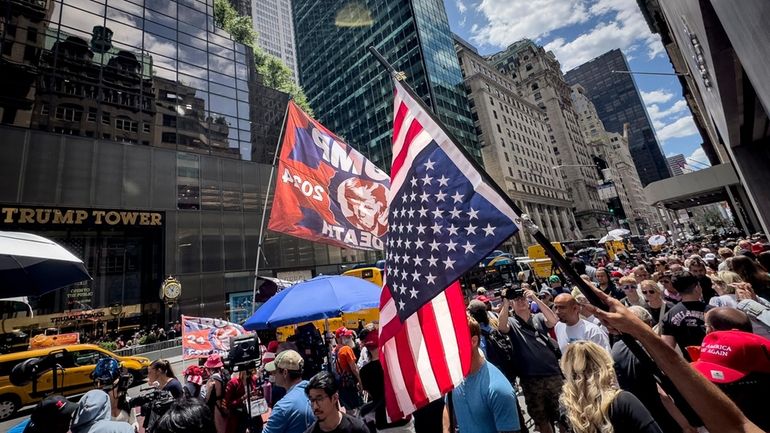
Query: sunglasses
x=648, y=292
x=627, y=287
x=662, y=281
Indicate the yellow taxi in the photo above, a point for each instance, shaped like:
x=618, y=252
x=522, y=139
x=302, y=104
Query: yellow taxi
x=76, y=362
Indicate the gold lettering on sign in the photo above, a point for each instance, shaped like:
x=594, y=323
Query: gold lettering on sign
x=112, y=217
x=27, y=216
x=59, y=218
x=98, y=214
x=9, y=211
x=43, y=216
x=128, y=218
x=81, y=216
x=15, y=215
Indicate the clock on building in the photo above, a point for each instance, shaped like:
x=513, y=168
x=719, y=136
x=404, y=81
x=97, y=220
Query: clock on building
x=171, y=289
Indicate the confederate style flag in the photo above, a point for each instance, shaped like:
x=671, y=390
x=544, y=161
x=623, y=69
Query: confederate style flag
x=445, y=217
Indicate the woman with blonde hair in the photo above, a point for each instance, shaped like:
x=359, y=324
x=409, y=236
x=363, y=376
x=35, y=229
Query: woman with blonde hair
x=723, y=285
x=591, y=398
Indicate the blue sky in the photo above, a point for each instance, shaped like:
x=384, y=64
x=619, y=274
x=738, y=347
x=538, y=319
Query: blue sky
x=577, y=31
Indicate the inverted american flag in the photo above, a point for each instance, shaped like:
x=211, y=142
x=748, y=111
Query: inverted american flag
x=444, y=218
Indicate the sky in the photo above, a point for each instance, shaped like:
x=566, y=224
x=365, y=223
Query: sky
x=578, y=31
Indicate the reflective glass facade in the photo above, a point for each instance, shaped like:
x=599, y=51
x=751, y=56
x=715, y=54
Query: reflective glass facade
x=618, y=101
x=152, y=72
x=352, y=93
x=135, y=107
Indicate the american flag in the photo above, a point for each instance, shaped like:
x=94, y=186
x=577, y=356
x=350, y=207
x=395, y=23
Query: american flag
x=444, y=218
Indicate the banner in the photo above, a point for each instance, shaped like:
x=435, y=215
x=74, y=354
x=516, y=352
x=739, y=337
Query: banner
x=325, y=190
x=202, y=336
x=42, y=341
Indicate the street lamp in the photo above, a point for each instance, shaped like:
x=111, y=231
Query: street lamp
x=556, y=167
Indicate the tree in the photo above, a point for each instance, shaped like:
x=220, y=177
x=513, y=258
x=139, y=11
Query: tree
x=275, y=74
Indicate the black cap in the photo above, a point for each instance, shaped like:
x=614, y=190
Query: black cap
x=49, y=413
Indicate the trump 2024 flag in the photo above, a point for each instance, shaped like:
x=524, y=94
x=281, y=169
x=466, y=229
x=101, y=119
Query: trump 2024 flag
x=444, y=218
x=325, y=190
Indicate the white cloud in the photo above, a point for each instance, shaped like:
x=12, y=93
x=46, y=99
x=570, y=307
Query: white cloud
x=656, y=96
x=658, y=115
x=461, y=6
x=620, y=25
x=698, y=159
x=511, y=20
x=682, y=127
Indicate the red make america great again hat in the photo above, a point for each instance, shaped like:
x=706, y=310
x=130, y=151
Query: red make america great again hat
x=728, y=356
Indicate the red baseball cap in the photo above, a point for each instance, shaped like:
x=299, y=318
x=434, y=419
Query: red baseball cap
x=616, y=274
x=372, y=339
x=728, y=356
x=757, y=248
x=343, y=332
x=482, y=298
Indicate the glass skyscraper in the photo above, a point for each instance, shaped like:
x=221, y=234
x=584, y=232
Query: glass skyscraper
x=618, y=101
x=132, y=133
x=351, y=93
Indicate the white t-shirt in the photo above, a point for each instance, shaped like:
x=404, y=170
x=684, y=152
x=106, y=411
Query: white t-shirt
x=582, y=330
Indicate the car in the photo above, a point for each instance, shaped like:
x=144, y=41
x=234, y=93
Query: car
x=74, y=366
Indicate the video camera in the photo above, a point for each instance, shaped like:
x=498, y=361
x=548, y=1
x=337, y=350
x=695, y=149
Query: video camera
x=244, y=353
x=154, y=404
x=513, y=291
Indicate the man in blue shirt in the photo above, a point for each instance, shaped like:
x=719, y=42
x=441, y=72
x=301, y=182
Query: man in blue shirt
x=292, y=413
x=485, y=401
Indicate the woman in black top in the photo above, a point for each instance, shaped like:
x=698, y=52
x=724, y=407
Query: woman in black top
x=591, y=399
x=160, y=371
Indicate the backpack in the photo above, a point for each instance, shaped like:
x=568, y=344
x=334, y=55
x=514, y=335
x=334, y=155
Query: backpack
x=213, y=398
x=500, y=353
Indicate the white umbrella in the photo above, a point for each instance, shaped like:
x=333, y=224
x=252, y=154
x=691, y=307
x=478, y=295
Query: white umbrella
x=619, y=233
x=656, y=240
x=31, y=265
x=610, y=237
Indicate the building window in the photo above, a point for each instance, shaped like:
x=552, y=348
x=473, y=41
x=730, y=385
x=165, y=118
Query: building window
x=106, y=118
x=125, y=124
x=71, y=114
x=146, y=127
x=506, y=157
x=44, y=109
x=494, y=113
x=91, y=114
x=188, y=181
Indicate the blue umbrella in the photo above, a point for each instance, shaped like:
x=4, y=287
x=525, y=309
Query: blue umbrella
x=319, y=298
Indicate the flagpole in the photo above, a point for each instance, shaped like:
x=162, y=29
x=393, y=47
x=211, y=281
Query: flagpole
x=264, y=207
x=526, y=223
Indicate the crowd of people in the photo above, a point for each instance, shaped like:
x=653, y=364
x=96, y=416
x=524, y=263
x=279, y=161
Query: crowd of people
x=681, y=345
x=706, y=302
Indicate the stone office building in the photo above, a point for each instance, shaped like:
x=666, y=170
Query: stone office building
x=538, y=78
x=515, y=149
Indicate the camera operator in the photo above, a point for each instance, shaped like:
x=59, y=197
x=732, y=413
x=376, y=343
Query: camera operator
x=160, y=371
x=236, y=402
x=93, y=415
x=107, y=377
x=536, y=356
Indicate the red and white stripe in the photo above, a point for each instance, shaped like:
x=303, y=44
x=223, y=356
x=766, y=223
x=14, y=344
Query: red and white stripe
x=427, y=355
